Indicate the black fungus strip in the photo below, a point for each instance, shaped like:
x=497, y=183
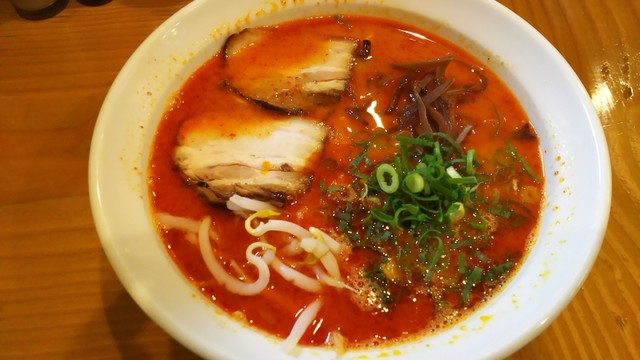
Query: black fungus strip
x=395, y=96
x=437, y=92
x=364, y=49
x=355, y=113
x=463, y=134
x=423, y=121
x=428, y=65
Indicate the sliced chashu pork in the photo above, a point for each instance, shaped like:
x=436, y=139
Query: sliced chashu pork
x=268, y=161
x=319, y=74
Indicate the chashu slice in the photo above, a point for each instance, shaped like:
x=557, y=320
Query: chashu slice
x=268, y=161
x=318, y=76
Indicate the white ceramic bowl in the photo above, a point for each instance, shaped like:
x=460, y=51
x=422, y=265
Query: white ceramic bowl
x=574, y=149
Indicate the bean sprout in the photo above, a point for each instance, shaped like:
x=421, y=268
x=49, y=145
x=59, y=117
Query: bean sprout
x=290, y=274
x=325, y=279
x=274, y=225
x=334, y=245
x=185, y=224
x=319, y=249
x=241, y=203
x=230, y=283
x=305, y=319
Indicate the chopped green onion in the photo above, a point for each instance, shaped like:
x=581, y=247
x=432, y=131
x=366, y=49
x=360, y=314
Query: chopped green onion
x=462, y=263
x=387, y=178
x=414, y=182
x=480, y=225
x=434, y=260
x=353, y=236
x=427, y=189
x=323, y=187
x=461, y=243
x=498, y=271
x=464, y=180
x=482, y=257
x=522, y=161
x=360, y=175
x=437, y=152
x=365, y=191
x=453, y=173
x=358, y=159
x=455, y=212
x=381, y=216
x=500, y=211
x=469, y=164
x=474, y=277
x=410, y=202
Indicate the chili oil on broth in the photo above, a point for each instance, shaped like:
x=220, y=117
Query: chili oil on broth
x=497, y=119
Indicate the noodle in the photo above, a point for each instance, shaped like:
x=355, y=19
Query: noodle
x=230, y=283
x=335, y=246
x=169, y=221
x=328, y=280
x=241, y=203
x=320, y=250
x=293, y=276
x=305, y=319
x=274, y=225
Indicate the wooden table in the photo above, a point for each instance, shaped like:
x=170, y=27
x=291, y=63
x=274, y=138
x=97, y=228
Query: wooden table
x=59, y=297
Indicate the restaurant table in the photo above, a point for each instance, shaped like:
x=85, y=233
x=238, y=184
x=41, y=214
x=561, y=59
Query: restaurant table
x=59, y=297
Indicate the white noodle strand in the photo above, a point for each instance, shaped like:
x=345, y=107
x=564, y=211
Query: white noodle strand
x=320, y=250
x=191, y=237
x=241, y=203
x=303, y=322
x=280, y=225
x=185, y=224
x=292, y=275
x=177, y=222
x=325, y=279
x=334, y=245
x=230, y=283
x=292, y=248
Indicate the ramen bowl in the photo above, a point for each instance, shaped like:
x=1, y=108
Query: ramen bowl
x=574, y=152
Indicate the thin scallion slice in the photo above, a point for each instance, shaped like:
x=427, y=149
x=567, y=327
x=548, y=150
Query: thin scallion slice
x=474, y=278
x=496, y=272
x=523, y=162
x=323, y=187
x=469, y=162
x=462, y=264
x=414, y=182
x=455, y=212
x=387, y=178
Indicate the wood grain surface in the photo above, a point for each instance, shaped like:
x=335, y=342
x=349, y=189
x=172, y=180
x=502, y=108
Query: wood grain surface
x=59, y=297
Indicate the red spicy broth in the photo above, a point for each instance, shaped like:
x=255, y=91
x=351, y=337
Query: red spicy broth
x=506, y=154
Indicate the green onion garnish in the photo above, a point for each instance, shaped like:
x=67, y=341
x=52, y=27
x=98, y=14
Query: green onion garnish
x=474, y=278
x=523, y=162
x=455, y=212
x=387, y=178
x=469, y=162
x=414, y=182
x=418, y=208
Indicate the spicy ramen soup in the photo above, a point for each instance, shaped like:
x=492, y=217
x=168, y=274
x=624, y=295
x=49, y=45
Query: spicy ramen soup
x=348, y=181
